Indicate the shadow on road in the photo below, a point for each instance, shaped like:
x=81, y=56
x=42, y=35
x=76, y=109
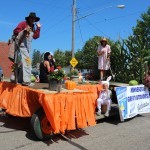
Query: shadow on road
x=13, y=124
x=115, y=120
x=68, y=136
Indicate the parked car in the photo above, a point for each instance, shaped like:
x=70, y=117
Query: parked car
x=35, y=72
x=84, y=75
x=89, y=76
x=1, y=74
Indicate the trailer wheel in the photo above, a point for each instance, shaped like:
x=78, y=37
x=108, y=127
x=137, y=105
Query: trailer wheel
x=41, y=125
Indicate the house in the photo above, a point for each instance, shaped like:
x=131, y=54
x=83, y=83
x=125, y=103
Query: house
x=5, y=63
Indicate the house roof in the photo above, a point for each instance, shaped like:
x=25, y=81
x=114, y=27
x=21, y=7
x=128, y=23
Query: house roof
x=5, y=63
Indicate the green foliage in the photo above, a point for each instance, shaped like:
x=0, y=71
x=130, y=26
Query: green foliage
x=79, y=57
x=139, y=47
x=59, y=56
x=68, y=57
x=62, y=57
x=128, y=57
x=146, y=81
x=57, y=74
x=119, y=62
x=72, y=73
x=87, y=57
x=37, y=57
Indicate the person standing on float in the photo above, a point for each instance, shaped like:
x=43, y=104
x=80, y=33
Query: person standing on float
x=25, y=32
x=103, y=51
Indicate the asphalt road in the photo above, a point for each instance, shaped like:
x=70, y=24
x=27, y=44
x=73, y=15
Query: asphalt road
x=108, y=134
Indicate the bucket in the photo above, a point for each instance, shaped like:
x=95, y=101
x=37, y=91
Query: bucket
x=54, y=85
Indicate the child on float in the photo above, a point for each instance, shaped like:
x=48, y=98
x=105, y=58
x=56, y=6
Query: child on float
x=104, y=98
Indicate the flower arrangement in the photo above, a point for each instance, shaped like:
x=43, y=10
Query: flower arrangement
x=58, y=74
x=146, y=81
x=12, y=67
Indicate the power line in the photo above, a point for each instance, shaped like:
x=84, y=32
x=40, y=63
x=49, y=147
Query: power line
x=80, y=31
x=118, y=17
x=57, y=23
x=103, y=5
x=95, y=27
x=49, y=8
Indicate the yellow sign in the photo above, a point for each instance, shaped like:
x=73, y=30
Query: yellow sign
x=73, y=62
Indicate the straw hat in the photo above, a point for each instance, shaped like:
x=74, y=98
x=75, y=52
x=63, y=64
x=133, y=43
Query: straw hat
x=103, y=40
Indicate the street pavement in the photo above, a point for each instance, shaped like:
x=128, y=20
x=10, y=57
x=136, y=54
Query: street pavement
x=108, y=134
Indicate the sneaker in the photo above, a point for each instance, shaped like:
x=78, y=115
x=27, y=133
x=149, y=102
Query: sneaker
x=28, y=84
x=106, y=114
x=98, y=113
x=31, y=84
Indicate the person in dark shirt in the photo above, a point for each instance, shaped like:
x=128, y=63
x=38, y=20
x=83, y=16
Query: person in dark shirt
x=45, y=68
x=52, y=62
x=25, y=32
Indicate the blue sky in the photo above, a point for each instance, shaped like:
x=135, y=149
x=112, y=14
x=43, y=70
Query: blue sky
x=56, y=18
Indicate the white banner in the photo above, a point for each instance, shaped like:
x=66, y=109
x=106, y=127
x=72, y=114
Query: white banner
x=133, y=100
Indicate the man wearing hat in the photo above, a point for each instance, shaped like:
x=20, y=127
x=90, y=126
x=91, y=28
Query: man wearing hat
x=103, y=51
x=25, y=32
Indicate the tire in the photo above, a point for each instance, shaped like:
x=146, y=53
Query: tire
x=41, y=126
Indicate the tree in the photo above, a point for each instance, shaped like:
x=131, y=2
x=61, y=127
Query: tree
x=119, y=61
x=139, y=46
x=68, y=57
x=88, y=55
x=79, y=57
x=37, y=57
x=59, y=56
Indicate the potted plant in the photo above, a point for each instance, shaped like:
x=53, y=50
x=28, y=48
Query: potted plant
x=146, y=80
x=55, y=79
x=74, y=75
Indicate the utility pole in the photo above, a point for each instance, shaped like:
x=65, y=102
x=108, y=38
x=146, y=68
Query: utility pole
x=74, y=20
x=73, y=26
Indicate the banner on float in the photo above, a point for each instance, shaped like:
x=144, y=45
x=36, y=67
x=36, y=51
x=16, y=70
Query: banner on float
x=132, y=100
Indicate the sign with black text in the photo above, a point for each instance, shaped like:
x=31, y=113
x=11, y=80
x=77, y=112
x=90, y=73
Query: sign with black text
x=133, y=100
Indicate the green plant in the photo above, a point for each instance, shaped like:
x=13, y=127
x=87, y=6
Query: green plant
x=57, y=74
x=73, y=73
x=146, y=80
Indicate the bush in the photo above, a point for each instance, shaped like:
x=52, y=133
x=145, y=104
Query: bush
x=73, y=73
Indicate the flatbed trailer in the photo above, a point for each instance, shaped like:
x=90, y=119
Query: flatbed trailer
x=37, y=102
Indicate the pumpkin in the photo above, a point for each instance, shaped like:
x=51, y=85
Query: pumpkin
x=70, y=85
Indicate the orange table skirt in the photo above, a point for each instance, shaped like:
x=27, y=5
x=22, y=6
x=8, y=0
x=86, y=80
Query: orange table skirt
x=18, y=100
x=92, y=88
x=65, y=111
